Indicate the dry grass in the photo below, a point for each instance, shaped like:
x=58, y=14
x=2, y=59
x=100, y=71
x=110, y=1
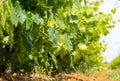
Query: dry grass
x=114, y=74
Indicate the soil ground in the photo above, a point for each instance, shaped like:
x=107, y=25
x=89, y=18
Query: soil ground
x=97, y=76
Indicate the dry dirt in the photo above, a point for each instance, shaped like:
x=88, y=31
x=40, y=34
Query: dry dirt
x=98, y=76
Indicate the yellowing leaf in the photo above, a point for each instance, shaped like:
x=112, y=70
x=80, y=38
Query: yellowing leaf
x=51, y=22
x=76, y=55
x=82, y=46
x=82, y=29
x=6, y=39
x=31, y=57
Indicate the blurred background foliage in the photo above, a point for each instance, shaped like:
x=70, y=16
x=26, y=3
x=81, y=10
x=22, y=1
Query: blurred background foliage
x=115, y=63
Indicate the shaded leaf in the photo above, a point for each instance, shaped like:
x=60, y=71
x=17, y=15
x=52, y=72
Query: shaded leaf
x=74, y=19
x=68, y=42
x=59, y=23
x=53, y=35
x=54, y=60
x=36, y=18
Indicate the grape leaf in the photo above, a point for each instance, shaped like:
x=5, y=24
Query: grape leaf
x=54, y=60
x=29, y=22
x=53, y=35
x=36, y=18
x=17, y=15
x=68, y=42
x=14, y=17
x=59, y=23
x=77, y=3
x=74, y=19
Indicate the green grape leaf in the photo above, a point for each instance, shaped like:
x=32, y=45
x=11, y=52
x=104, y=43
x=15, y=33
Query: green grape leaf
x=17, y=15
x=51, y=22
x=74, y=19
x=67, y=42
x=82, y=46
x=59, y=23
x=20, y=13
x=29, y=22
x=77, y=3
x=36, y=18
x=14, y=17
x=53, y=36
x=6, y=39
x=41, y=21
x=54, y=60
x=31, y=57
x=72, y=36
x=22, y=18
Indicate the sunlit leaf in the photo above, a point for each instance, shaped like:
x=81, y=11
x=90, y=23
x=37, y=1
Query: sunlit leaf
x=52, y=36
x=51, y=22
x=59, y=23
x=31, y=57
x=14, y=17
x=82, y=46
x=18, y=15
x=22, y=18
x=77, y=3
x=6, y=39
